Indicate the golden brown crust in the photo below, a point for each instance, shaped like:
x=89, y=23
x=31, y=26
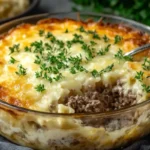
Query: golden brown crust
x=130, y=35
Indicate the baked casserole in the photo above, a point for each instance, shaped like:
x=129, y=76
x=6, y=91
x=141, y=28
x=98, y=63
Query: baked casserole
x=76, y=69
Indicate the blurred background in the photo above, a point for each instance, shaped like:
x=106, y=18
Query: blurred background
x=138, y=10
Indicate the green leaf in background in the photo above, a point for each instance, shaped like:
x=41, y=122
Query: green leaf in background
x=138, y=10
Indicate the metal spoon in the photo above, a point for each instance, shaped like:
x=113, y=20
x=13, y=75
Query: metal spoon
x=138, y=50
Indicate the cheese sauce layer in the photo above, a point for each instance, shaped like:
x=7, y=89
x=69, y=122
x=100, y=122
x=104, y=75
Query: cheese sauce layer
x=40, y=65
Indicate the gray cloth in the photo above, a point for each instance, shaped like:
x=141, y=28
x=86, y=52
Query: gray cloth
x=7, y=145
x=143, y=144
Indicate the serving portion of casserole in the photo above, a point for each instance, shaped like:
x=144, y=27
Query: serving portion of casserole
x=67, y=66
x=11, y=8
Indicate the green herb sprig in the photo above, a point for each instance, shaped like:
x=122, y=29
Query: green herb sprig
x=14, y=48
x=146, y=64
x=40, y=88
x=96, y=36
x=119, y=55
x=66, y=31
x=105, y=38
x=88, y=50
x=118, y=39
x=104, y=51
x=53, y=56
x=81, y=29
x=21, y=71
x=95, y=73
x=146, y=88
x=139, y=76
x=41, y=32
x=12, y=60
x=38, y=46
x=27, y=49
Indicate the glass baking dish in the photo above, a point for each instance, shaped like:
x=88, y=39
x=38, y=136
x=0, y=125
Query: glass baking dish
x=95, y=131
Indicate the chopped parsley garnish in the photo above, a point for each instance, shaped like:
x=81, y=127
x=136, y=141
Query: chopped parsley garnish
x=52, y=59
x=75, y=60
x=47, y=77
x=54, y=56
x=107, y=69
x=79, y=68
x=38, y=74
x=73, y=70
x=60, y=43
x=38, y=46
x=146, y=88
x=139, y=76
x=53, y=39
x=81, y=29
x=66, y=31
x=118, y=39
x=40, y=88
x=88, y=50
x=95, y=73
x=121, y=56
x=27, y=49
x=69, y=44
x=21, y=71
x=105, y=38
x=41, y=32
x=37, y=60
x=77, y=36
x=12, y=60
x=91, y=32
x=51, y=56
x=55, y=70
x=49, y=35
x=77, y=39
x=104, y=51
x=43, y=67
x=96, y=36
x=58, y=77
x=93, y=43
x=15, y=48
x=48, y=46
x=146, y=64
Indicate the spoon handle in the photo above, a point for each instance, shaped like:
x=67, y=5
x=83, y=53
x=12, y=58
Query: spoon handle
x=138, y=50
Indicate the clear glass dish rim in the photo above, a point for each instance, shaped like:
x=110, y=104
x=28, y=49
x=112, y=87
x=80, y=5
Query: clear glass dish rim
x=76, y=115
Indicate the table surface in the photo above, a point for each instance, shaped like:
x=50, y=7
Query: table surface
x=63, y=6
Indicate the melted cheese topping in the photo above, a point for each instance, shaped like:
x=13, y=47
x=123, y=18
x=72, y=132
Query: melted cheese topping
x=20, y=90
